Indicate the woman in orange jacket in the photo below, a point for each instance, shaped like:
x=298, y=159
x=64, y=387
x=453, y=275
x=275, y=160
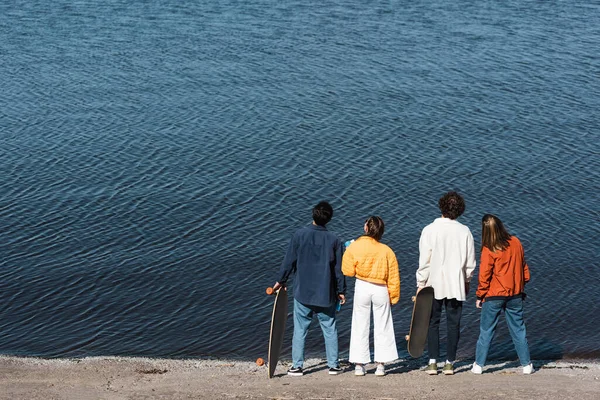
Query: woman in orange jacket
x=378, y=284
x=503, y=274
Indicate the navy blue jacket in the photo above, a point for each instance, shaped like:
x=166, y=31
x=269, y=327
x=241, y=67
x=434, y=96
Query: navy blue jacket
x=315, y=255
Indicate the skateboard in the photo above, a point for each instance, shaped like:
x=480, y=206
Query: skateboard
x=280, y=310
x=419, y=324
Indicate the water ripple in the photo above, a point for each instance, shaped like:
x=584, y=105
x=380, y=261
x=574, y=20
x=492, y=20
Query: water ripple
x=156, y=160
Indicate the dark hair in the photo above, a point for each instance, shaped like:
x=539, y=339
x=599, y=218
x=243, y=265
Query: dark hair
x=452, y=205
x=493, y=234
x=375, y=227
x=322, y=213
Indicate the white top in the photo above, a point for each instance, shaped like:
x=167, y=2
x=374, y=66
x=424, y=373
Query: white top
x=446, y=258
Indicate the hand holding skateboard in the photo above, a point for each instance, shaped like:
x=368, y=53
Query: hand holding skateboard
x=278, y=319
x=275, y=288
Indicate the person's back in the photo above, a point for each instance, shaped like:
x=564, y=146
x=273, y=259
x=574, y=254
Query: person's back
x=370, y=260
x=447, y=263
x=315, y=256
x=446, y=246
x=314, y=283
x=377, y=287
x=504, y=272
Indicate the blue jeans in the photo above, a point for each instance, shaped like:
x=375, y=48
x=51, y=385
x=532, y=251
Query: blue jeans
x=302, y=318
x=490, y=314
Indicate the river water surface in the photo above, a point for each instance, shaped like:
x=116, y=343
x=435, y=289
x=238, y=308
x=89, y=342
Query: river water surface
x=156, y=157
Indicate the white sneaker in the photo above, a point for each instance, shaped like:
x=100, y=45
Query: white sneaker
x=380, y=371
x=359, y=370
x=477, y=370
x=528, y=369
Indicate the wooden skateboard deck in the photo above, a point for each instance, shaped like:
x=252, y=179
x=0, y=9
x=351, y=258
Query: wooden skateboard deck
x=278, y=319
x=419, y=324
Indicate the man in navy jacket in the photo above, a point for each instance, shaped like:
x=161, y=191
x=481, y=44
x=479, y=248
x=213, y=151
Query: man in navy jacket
x=315, y=256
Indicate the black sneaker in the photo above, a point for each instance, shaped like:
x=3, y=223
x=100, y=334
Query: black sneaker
x=295, y=371
x=335, y=371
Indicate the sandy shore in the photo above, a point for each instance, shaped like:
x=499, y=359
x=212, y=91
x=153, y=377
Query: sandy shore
x=141, y=378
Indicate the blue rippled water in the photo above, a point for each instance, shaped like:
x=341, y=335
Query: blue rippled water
x=156, y=157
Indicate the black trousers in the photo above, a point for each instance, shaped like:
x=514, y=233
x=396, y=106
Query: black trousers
x=453, y=313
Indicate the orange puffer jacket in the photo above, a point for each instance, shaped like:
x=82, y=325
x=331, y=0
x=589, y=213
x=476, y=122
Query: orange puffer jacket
x=372, y=261
x=503, y=273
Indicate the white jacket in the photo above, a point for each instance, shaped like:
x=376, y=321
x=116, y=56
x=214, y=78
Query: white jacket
x=446, y=258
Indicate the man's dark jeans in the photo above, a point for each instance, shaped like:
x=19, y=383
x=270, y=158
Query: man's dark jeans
x=453, y=314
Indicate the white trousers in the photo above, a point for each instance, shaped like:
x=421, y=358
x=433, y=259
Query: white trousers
x=365, y=295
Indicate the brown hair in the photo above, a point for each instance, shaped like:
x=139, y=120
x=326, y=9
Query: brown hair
x=375, y=227
x=452, y=205
x=493, y=234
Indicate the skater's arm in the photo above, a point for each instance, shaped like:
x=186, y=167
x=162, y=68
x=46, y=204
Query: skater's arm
x=486, y=270
x=339, y=276
x=424, y=260
x=526, y=274
x=348, y=263
x=393, y=282
x=288, y=266
x=471, y=263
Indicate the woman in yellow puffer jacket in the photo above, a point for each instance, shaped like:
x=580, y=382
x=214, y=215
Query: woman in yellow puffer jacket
x=378, y=284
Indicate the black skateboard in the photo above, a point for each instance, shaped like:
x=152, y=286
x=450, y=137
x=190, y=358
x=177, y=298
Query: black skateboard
x=419, y=324
x=278, y=319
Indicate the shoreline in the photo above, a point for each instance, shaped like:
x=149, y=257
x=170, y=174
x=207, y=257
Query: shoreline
x=148, y=378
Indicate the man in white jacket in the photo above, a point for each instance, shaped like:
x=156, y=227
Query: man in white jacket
x=447, y=263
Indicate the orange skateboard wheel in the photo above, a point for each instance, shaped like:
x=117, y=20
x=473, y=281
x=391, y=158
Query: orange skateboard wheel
x=270, y=291
x=260, y=362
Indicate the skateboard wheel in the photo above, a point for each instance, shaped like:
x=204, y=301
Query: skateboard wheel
x=407, y=337
x=269, y=291
x=413, y=299
x=260, y=361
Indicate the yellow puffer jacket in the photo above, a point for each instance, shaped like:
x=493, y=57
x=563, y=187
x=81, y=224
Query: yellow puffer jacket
x=374, y=262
